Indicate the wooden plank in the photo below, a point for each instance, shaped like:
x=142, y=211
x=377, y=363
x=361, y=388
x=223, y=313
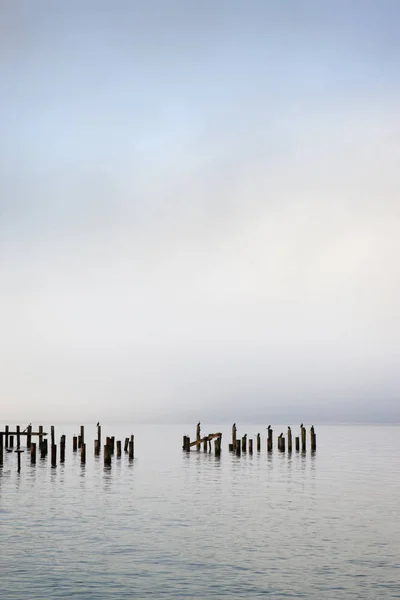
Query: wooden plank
x=207, y=438
x=22, y=433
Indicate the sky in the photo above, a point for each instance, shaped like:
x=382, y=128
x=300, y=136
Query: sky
x=199, y=210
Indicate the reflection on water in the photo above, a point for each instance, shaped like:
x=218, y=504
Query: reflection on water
x=176, y=525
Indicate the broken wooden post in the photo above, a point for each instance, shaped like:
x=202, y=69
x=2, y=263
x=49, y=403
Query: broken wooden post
x=297, y=441
x=244, y=443
x=131, y=447
x=82, y=436
x=313, y=439
x=217, y=446
x=251, y=446
x=18, y=430
x=118, y=448
x=289, y=439
x=303, y=439
x=7, y=429
x=53, y=455
x=237, y=447
x=99, y=436
x=112, y=441
x=205, y=444
x=126, y=445
x=19, y=452
x=40, y=437
x=183, y=443
x=96, y=448
x=83, y=454
x=234, y=436
x=279, y=442
x=62, y=448
x=230, y=447
x=269, y=439
x=42, y=449
x=107, y=455
x=258, y=442
x=33, y=453
x=29, y=436
x=53, y=441
x=74, y=443
x=1, y=449
x=11, y=441
x=198, y=430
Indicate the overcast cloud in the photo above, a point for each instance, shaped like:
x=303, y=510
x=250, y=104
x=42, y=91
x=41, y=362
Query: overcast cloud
x=199, y=210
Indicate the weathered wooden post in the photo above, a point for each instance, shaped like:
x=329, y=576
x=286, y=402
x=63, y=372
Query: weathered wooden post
x=230, y=446
x=53, y=441
x=53, y=455
x=126, y=445
x=82, y=436
x=198, y=436
x=118, y=448
x=183, y=443
x=237, y=447
x=205, y=444
x=29, y=436
x=283, y=444
x=244, y=443
x=313, y=439
x=18, y=430
x=107, y=455
x=33, y=453
x=258, y=442
x=112, y=441
x=269, y=439
x=234, y=436
x=131, y=447
x=40, y=437
x=19, y=452
x=99, y=435
x=74, y=443
x=7, y=429
x=279, y=442
x=83, y=454
x=1, y=449
x=96, y=448
x=42, y=448
x=217, y=446
x=297, y=440
x=62, y=448
x=250, y=445
x=303, y=439
x=289, y=439
x=11, y=441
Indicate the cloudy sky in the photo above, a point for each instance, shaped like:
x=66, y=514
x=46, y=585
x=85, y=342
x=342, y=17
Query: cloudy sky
x=199, y=210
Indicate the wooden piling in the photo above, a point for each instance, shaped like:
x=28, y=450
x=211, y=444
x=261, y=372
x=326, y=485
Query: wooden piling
x=99, y=436
x=313, y=439
x=1, y=449
x=33, y=453
x=112, y=442
x=230, y=447
x=126, y=445
x=131, y=447
x=279, y=442
x=19, y=452
x=118, y=448
x=205, y=445
x=217, y=446
x=29, y=436
x=234, y=430
x=53, y=455
x=83, y=453
x=62, y=448
x=237, y=447
x=289, y=440
x=107, y=455
x=297, y=441
x=303, y=439
x=74, y=443
x=11, y=441
x=283, y=443
x=184, y=443
x=52, y=435
x=244, y=443
x=18, y=430
x=96, y=448
x=258, y=442
x=270, y=440
x=82, y=434
x=40, y=437
x=250, y=446
x=79, y=442
x=7, y=429
x=42, y=449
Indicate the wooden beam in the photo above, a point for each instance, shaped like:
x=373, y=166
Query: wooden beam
x=207, y=438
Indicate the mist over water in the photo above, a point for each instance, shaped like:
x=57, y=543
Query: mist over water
x=177, y=525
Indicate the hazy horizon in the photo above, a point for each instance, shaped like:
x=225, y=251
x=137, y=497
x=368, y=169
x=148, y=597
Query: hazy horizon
x=199, y=211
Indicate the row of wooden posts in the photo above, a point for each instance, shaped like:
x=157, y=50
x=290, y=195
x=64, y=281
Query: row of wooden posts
x=242, y=445
x=78, y=443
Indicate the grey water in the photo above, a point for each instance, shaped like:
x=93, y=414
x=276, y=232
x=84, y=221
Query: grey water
x=177, y=525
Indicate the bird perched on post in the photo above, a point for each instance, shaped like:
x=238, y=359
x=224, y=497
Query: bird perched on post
x=269, y=427
x=98, y=424
x=289, y=429
x=301, y=426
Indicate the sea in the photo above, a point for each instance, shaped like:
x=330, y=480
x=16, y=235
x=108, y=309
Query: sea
x=172, y=524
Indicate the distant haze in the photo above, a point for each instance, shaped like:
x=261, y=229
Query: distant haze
x=200, y=210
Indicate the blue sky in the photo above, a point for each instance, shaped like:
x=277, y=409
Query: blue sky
x=199, y=207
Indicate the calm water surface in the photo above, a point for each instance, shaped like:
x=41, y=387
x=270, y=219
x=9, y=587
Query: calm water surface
x=178, y=525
